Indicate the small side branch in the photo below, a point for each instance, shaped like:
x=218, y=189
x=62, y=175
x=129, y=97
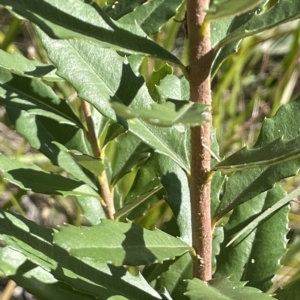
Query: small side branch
x=106, y=193
x=200, y=56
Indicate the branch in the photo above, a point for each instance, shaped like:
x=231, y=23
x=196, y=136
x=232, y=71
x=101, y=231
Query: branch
x=200, y=56
x=106, y=193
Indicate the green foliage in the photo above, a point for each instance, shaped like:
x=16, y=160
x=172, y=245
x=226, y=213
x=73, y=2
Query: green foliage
x=247, y=24
x=136, y=140
x=222, y=289
x=223, y=9
x=165, y=114
x=119, y=244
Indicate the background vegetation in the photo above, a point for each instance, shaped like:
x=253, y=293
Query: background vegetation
x=249, y=86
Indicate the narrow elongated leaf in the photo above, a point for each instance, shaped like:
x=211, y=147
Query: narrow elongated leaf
x=245, y=185
x=20, y=65
x=41, y=132
x=100, y=75
x=166, y=114
x=172, y=142
x=255, y=256
x=35, y=279
x=119, y=9
x=119, y=243
x=94, y=165
x=223, y=289
x=175, y=183
x=113, y=131
x=130, y=152
x=83, y=21
x=289, y=293
x=148, y=191
x=266, y=214
x=32, y=177
x=36, y=244
x=174, y=279
x=290, y=269
x=228, y=8
x=218, y=238
x=35, y=97
x=152, y=15
x=254, y=22
x=278, y=151
x=217, y=179
x=216, y=189
x=145, y=191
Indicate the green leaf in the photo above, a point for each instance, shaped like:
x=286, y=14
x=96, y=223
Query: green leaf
x=20, y=65
x=36, y=244
x=152, y=15
x=35, y=97
x=174, y=279
x=145, y=191
x=172, y=142
x=222, y=289
x=176, y=184
x=155, y=80
x=166, y=114
x=219, y=30
x=254, y=22
x=104, y=76
x=289, y=272
x=274, y=153
x=217, y=179
x=83, y=21
x=113, y=131
x=172, y=87
x=162, y=169
x=228, y=8
x=35, y=279
x=119, y=9
x=149, y=190
x=218, y=238
x=119, y=243
x=94, y=165
x=267, y=213
x=216, y=190
x=255, y=256
x=91, y=209
x=135, y=62
x=245, y=185
x=289, y=293
x=32, y=177
x=41, y=132
x=130, y=152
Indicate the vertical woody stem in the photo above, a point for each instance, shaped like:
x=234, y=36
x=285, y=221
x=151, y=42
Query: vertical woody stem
x=200, y=56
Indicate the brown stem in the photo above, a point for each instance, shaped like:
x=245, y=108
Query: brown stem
x=106, y=193
x=200, y=56
x=8, y=290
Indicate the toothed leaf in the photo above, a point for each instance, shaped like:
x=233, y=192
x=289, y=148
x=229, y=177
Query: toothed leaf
x=274, y=153
x=119, y=243
x=223, y=289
